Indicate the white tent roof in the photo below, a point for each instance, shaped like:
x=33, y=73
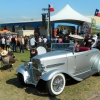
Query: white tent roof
x=69, y=15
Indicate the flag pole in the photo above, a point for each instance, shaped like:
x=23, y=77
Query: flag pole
x=49, y=29
x=49, y=24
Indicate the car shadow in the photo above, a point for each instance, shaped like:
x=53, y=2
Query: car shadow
x=14, y=82
x=6, y=67
x=96, y=75
x=40, y=90
x=71, y=82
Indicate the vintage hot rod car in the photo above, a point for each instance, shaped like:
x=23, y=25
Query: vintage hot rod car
x=61, y=63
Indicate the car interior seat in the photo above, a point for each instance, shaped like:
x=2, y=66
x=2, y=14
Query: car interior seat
x=83, y=49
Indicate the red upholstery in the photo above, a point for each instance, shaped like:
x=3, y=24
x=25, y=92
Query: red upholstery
x=83, y=49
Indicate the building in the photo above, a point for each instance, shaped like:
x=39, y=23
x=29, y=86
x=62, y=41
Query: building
x=38, y=27
x=96, y=22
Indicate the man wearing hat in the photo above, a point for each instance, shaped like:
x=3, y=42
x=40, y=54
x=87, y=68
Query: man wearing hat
x=8, y=57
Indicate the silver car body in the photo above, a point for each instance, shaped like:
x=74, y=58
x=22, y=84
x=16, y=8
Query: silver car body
x=77, y=65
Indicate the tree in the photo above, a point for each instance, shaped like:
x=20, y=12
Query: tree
x=94, y=28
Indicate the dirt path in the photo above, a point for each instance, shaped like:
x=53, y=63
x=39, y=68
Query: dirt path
x=95, y=96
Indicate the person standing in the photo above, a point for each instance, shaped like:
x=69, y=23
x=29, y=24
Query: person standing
x=45, y=41
x=13, y=42
x=18, y=44
x=57, y=32
x=26, y=40
x=66, y=39
x=88, y=41
x=64, y=31
x=32, y=42
x=3, y=43
x=22, y=44
x=7, y=43
x=77, y=46
x=40, y=41
x=60, y=40
x=68, y=32
x=33, y=53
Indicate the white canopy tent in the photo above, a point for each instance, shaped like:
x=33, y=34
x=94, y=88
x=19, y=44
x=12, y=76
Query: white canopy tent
x=67, y=14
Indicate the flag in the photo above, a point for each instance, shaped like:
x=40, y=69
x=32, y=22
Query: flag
x=97, y=13
x=51, y=9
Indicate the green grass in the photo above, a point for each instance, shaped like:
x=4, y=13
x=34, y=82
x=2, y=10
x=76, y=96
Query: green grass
x=10, y=89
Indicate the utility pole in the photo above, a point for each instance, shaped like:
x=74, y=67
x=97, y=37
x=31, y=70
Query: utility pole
x=49, y=28
x=48, y=24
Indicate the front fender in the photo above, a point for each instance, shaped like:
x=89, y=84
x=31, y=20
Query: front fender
x=21, y=69
x=48, y=75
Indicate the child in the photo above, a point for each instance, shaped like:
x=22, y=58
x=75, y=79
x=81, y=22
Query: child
x=33, y=53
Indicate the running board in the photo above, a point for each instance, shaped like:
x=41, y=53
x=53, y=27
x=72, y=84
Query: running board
x=86, y=74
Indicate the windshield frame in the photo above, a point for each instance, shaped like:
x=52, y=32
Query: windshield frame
x=56, y=46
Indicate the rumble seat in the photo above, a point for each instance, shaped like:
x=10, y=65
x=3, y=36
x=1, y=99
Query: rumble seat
x=83, y=49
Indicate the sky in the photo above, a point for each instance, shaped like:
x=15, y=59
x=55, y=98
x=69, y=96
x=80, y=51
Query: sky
x=27, y=10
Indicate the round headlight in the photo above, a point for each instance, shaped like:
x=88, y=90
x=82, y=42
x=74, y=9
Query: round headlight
x=42, y=69
x=26, y=64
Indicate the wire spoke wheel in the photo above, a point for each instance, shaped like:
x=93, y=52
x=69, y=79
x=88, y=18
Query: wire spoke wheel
x=56, y=85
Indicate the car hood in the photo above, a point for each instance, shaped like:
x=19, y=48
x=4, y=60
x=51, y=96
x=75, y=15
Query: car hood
x=52, y=55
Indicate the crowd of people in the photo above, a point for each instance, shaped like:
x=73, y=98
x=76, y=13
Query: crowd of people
x=62, y=36
x=90, y=41
x=63, y=31
x=19, y=44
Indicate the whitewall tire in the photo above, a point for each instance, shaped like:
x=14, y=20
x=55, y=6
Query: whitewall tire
x=56, y=85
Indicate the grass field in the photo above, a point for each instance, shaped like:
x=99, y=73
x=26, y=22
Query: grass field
x=10, y=89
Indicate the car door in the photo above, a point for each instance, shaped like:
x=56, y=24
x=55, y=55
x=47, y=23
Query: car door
x=71, y=63
x=82, y=61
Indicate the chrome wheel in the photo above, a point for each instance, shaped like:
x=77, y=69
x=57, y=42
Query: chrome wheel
x=56, y=85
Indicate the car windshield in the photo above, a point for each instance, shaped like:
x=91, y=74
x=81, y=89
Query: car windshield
x=62, y=46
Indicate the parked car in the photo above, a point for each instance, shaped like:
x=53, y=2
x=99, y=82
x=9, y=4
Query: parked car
x=58, y=65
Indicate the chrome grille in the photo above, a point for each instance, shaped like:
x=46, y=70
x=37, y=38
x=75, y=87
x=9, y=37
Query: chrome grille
x=36, y=73
x=35, y=63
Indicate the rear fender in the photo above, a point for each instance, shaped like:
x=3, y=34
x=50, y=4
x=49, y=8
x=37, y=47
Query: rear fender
x=96, y=64
x=48, y=75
